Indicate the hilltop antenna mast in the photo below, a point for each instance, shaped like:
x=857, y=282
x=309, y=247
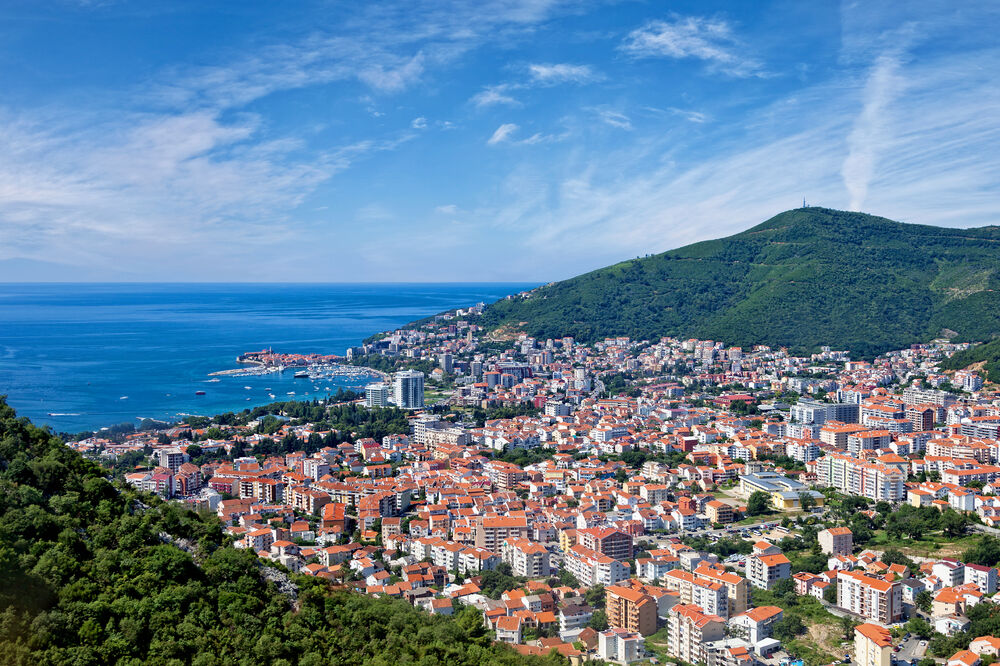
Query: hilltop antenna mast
x=803, y=202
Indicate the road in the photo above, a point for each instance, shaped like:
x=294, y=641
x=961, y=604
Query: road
x=911, y=650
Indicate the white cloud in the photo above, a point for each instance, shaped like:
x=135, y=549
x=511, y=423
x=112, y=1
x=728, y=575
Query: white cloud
x=707, y=39
x=614, y=118
x=939, y=165
x=553, y=74
x=690, y=116
x=505, y=134
x=419, y=123
x=868, y=136
x=494, y=95
x=502, y=133
x=448, y=209
x=120, y=193
x=539, y=75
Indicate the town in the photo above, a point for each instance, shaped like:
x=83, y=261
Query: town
x=629, y=501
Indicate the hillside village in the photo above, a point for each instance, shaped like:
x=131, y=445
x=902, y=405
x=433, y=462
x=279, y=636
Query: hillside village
x=630, y=501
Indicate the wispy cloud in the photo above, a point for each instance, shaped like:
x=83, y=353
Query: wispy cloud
x=938, y=165
x=868, y=135
x=554, y=74
x=503, y=133
x=178, y=166
x=707, y=39
x=506, y=134
x=614, y=118
x=539, y=75
x=495, y=95
x=689, y=115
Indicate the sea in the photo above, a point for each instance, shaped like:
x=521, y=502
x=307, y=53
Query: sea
x=81, y=357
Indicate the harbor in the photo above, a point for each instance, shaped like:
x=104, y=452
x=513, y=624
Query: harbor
x=305, y=366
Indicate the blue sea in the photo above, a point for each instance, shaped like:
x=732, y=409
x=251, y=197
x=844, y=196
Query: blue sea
x=84, y=356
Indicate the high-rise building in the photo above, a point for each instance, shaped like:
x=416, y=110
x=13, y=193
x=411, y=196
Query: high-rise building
x=408, y=389
x=630, y=609
x=446, y=363
x=377, y=395
x=872, y=598
x=173, y=458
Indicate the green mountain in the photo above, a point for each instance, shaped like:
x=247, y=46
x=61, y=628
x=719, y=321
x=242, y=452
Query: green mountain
x=804, y=278
x=91, y=573
x=987, y=354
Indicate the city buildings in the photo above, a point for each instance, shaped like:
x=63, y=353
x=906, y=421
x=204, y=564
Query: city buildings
x=836, y=541
x=873, y=598
x=764, y=571
x=630, y=609
x=408, y=389
x=377, y=395
x=872, y=645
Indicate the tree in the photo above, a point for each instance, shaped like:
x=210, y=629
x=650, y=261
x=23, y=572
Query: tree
x=806, y=501
x=924, y=601
x=758, y=503
x=567, y=578
x=847, y=624
x=598, y=621
x=595, y=596
x=920, y=627
x=953, y=523
x=784, y=588
x=788, y=627
x=986, y=552
x=830, y=593
x=893, y=556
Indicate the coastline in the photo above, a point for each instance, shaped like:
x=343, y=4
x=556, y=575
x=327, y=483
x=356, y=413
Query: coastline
x=78, y=349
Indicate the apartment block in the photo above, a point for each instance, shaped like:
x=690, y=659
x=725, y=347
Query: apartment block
x=527, y=558
x=872, y=598
x=836, y=541
x=689, y=629
x=630, y=609
x=764, y=571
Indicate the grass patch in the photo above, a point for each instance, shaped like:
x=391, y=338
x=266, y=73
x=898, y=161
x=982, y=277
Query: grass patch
x=810, y=653
x=928, y=545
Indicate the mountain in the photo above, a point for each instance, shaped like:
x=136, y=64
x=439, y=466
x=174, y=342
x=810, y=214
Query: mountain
x=94, y=573
x=988, y=355
x=804, y=278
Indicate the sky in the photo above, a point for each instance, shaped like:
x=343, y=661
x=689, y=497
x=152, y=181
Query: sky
x=472, y=140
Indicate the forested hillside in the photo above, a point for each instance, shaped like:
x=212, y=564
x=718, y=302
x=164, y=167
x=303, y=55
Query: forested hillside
x=87, y=578
x=804, y=278
x=988, y=354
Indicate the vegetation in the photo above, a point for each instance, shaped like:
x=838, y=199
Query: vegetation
x=985, y=621
x=90, y=574
x=804, y=278
x=759, y=503
x=913, y=522
x=988, y=354
x=986, y=552
x=800, y=612
x=391, y=363
x=481, y=416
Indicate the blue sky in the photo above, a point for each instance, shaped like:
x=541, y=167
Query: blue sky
x=475, y=140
